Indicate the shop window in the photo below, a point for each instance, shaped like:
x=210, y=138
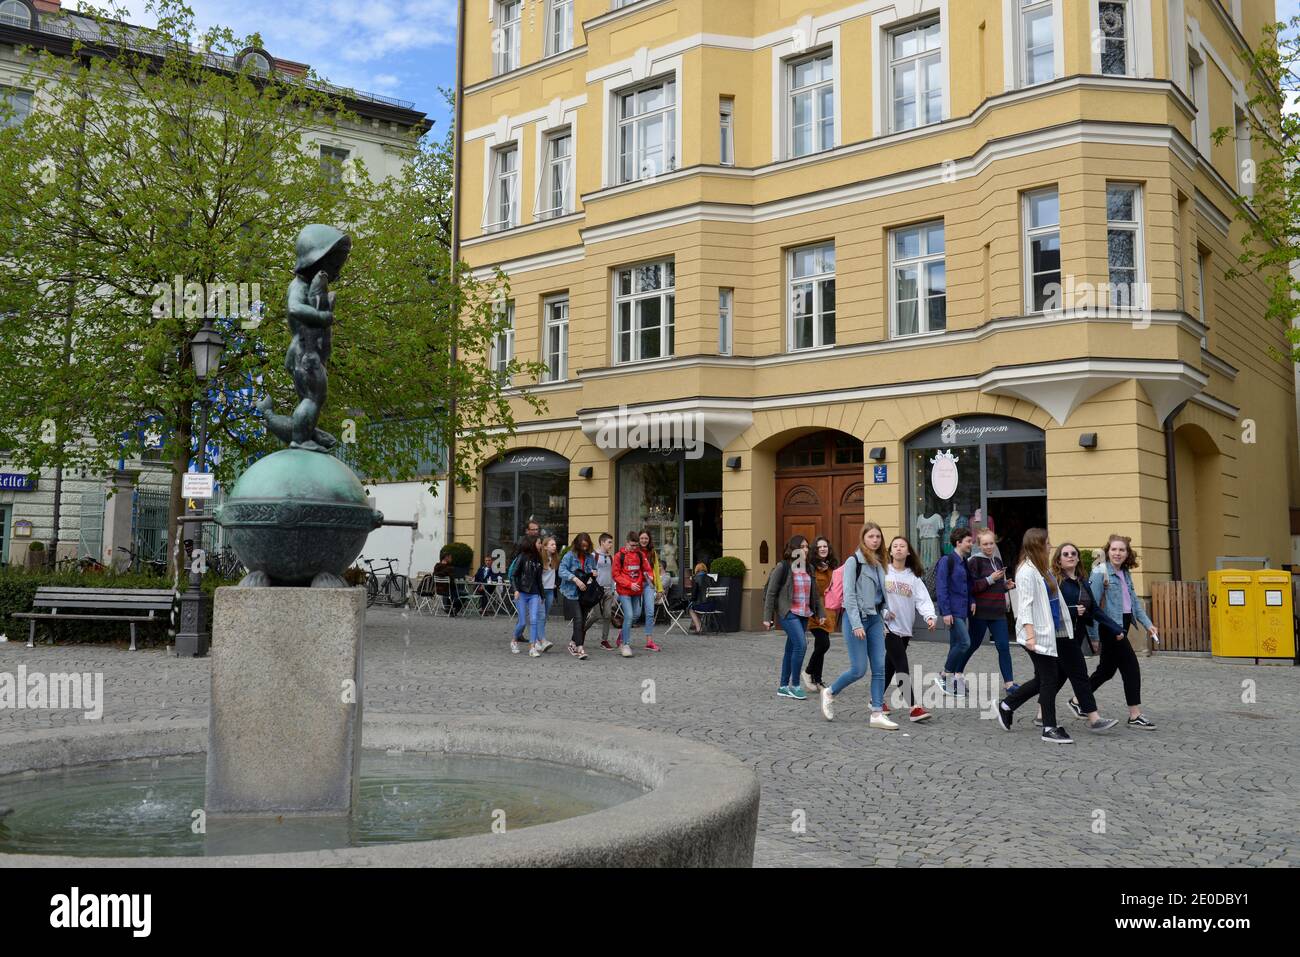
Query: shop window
x=678, y=499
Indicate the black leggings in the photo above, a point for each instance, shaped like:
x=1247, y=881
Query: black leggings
x=573, y=608
x=896, y=663
x=821, y=644
x=1118, y=655
x=1045, y=683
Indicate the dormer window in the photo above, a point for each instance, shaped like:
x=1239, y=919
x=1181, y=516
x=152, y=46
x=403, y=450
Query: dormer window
x=255, y=61
x=14, y=13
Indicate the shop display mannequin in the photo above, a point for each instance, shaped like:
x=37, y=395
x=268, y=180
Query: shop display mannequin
x=929, y=529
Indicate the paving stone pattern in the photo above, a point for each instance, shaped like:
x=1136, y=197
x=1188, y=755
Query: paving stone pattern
x=1214, y=785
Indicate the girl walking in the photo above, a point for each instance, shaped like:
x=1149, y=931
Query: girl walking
x=791, y=598
x=576, y=572
x=823, y=565
x=631, y=581
x=527, y=581
x=863, y=579
x=550, y=565
x=1112, y=587
x=989, y=588
x=654, y=589
x=905, y=597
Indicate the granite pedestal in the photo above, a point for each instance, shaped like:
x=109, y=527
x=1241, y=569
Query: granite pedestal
x=284, y=723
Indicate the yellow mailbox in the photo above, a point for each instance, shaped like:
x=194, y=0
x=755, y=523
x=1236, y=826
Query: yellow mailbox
x=1233, y=619
x=1275, y=632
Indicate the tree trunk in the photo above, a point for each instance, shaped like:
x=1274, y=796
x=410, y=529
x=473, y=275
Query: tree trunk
x=175, y=506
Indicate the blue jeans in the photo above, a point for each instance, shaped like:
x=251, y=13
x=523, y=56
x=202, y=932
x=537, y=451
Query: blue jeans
x=862, y=652
x=958, y=645
x=530, y=611
x=548, y=597
x=997, y=627
x=634, y=606
x=795, y=646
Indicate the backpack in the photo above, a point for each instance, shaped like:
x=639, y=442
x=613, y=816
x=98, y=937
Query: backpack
x=833, y=600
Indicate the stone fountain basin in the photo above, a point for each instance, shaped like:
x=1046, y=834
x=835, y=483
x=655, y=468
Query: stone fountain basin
x=701, y=809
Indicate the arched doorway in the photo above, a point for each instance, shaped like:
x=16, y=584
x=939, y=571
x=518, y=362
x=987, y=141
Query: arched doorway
x=1200, y=500
x=524, y=485
x=819, y=489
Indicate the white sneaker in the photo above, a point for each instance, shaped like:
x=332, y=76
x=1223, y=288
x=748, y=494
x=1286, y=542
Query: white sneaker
x=828, y=704
x=881, y=720
x=514, y=647
x=809, y=685
x=941, y=683
x=533, y=652
x=626, y=652
x=960, y=682
x=546, y=645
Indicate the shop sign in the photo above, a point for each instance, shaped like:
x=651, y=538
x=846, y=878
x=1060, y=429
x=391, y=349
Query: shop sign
x=16, y=482
x=943, y=474
x=22, y=528
x=529, y=460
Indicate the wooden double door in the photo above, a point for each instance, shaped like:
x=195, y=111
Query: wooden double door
x=828, y=504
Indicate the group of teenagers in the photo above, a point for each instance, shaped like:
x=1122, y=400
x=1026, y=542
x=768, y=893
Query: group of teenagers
x=874, y=597
x=597, y=585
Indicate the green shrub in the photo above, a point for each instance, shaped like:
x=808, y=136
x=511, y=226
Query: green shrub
x=728, y=567
x=18, y=588
x=36, y=547
x=461, y=555
x=1086, y=559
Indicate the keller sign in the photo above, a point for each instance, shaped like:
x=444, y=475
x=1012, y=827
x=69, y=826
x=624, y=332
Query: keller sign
x=14, y=482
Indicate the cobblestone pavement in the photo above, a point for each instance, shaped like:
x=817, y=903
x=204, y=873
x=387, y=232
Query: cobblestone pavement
x=1214, y=785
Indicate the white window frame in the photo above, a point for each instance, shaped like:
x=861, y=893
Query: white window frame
x=1031, y=233
x=916, y=61
x=921, y=263
x=339, y=156
x=1242, y=148
x=727, y=130
x=1014, y=41
x=812, y=90
x=1198, y=93
x=1129, y=37
x=559, y=19
x=16, y=95
x=726, y=319
x=671, y=118
x=817, y=280
x=555, y=319
x=667, y=295
x=26, y=13
x=503, y=343
x=492, y=223
x=1202, y=260
x=1135, y=227
x=508, y=58
x=546, y=178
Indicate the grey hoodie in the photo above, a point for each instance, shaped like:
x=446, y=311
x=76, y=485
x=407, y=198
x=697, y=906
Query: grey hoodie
x=864, y=590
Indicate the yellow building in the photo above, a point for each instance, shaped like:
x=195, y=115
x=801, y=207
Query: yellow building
x=814, y=244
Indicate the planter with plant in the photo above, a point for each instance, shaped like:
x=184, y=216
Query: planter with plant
x=36, y=555
x=731, y=573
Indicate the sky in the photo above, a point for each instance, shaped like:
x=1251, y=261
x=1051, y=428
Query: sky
x=399, y=48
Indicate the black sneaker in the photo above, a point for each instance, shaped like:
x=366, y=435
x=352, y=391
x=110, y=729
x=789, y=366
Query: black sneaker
x=1074, y=706
x=1141, y=723
x=1057, y=736
x=1004, y=716
x=1102, y=725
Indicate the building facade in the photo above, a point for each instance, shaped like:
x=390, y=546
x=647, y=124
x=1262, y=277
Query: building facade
x=919, y=261
x=91, y=523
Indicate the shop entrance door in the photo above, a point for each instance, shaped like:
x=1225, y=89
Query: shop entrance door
x=1012, y=513
x=819, y=490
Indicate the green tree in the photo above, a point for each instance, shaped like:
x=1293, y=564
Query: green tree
x=1271, y=215
x=150, y=156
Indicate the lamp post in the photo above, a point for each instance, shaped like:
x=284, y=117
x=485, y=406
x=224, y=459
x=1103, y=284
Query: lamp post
x=192, y=635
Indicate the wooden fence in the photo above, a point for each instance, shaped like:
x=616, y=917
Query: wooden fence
x=1181, y=612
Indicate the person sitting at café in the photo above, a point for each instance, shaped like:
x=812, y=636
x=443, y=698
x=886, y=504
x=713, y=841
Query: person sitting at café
x=450, y=594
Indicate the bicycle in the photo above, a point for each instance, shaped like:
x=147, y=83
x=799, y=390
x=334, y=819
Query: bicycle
x=228, y=565
x=392, y=589
x=156, y=566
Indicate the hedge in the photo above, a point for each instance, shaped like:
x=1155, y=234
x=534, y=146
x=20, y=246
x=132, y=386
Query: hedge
x=18, y=588
x=728, y=567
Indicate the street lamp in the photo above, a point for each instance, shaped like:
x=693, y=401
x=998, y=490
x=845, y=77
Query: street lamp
x=192, y=635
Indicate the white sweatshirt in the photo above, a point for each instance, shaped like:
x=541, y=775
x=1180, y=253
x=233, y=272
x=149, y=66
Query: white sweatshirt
x=905, y=594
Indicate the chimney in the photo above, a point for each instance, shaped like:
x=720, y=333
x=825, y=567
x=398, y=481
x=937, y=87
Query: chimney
x=47, y=6
x=290, y=66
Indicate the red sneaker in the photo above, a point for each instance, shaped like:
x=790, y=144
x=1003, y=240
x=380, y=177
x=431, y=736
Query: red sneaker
x=606, y=645
x=919, y=714
x=651, y=646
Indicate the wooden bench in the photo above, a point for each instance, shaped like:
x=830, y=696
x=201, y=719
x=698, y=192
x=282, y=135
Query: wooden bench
x=131, y=605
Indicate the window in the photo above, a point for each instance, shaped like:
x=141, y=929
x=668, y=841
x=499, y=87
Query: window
x=1245, y=165
x=920, y=280
x=812, y=104
x=1202, y=292
x=503, y=204
x=503, y=346
x=1037, y=42
x=644, y=307
x=726, y=133
x=257, y=63
x=1195, y=71
x=559, y=33
x=557, y=177
x=812, y=296
x=505, y=40
x=1115, y=37
x=618, y=4
x=15, y=106
x=555, y=339
x=915, y=76
x=726, y=297
x=15, y=14
x=1042, y=214
x=647, y=131
x=1124, y=245
x=332, y=162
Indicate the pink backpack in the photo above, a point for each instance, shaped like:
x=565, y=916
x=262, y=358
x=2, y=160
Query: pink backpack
x=833, y=600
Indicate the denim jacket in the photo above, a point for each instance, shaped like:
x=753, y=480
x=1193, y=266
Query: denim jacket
x=1106, y=580
x=864, y=593
x=569, y=567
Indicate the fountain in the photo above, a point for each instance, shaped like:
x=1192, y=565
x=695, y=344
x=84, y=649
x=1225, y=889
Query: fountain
x=278, y=775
